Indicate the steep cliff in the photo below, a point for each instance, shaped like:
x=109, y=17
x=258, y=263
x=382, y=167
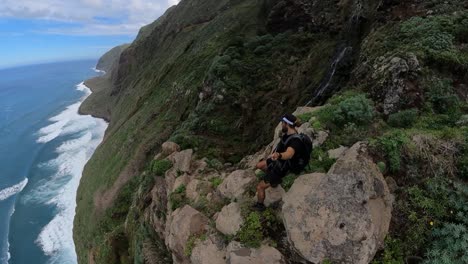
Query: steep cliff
x=213, y=76
x=109, y=58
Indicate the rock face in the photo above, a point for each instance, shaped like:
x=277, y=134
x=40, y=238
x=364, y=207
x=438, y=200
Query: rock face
x=342, y=216
x=186, y=222
x=229, y=220
x=207, y=252
x=236, y=183
x=337, y=153
x=263, y=255
x=167, y=149
x=392, y=78
x=182, y=160
x=111, y=57
x=274, y=195
x=198, y=188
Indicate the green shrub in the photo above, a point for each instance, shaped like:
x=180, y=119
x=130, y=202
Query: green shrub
x=392, y=253
x=216, y=181
x=357, y=109
x=251, y=232
x=214, y=164
x=191, y=242
x=319, y=161
x=450, y=238
x=288, y=181
x=391, y=144
x=178, y=198
x=159, y=167
x=382, y=166
x=403, y=119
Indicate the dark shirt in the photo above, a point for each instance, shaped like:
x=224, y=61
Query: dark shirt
x=294, y=143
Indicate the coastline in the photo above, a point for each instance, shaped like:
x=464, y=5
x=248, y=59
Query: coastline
x=100, y=86
x=56, y=238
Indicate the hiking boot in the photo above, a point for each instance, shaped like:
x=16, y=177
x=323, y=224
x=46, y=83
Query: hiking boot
x=259, y=207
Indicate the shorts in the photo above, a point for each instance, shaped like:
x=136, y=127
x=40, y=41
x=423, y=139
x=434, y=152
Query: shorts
x=276, y=170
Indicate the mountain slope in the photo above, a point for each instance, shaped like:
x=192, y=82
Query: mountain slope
x=214, y=76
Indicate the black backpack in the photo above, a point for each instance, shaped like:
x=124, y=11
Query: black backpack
x=307, y=143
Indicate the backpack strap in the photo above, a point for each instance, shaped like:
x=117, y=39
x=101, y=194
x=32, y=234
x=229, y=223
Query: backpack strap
x=298, y=136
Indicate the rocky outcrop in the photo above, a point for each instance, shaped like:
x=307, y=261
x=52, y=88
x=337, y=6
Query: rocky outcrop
x=198, y=188
x=337, y=153
x=167, y=148
x=392, y=78
x=274, y=195
x=182, y=160
x=342, y=216
x=186, y=222
x=208, y=251
x=236, y=184
x=229, y=220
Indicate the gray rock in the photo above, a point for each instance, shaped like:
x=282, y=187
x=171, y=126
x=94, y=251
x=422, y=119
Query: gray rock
x=236, y=183
x=167, y=148
x=198, y=188
x=337, y=153
x=182, y=160
x=208, y=252
x=229, y=220
x=321, y=137
x=274, y=195
x=181, y=180
x=342, y=216
x=391, y=183
x=186, y=222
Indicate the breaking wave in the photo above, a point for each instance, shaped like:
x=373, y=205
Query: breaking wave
x=84, y=134
x=10, y=191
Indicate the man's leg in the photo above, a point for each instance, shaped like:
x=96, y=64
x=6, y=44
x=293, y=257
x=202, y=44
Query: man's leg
x=261, y=187
x=262, y=165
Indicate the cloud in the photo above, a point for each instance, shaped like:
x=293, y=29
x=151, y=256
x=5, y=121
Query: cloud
x=94, y=17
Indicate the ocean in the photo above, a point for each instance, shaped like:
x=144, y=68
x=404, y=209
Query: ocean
x=44, y=146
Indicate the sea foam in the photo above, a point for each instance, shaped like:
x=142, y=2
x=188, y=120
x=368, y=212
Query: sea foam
x=10, y=191
x=86, y=133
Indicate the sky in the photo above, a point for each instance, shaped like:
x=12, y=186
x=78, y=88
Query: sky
x=39, y=31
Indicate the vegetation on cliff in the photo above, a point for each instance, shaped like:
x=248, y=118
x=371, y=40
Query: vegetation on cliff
x=214, y=76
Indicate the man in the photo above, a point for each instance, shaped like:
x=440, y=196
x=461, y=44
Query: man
x=287, y=156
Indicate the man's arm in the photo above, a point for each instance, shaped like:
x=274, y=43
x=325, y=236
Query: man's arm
x=288, y=154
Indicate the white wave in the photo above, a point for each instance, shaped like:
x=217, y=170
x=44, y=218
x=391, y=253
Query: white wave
x=56, y=238
x=76, y=143
x=10, y=191
x=98, y=71
x=65, y=122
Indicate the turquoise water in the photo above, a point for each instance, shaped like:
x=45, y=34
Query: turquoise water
x=44, y=145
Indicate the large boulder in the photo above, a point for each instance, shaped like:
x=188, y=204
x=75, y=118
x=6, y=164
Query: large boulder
x=337, y=153
x=392, y=82
x=182, y=160
x=198, y=188
x=186, y=222
x=264, y=255
x=235, y=185
x=208, y=251
x=342, y=216
x=167, y=148
x=274, y=195
x=229, y=220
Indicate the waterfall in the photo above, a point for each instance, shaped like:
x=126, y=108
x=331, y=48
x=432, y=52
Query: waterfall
x=326, y=83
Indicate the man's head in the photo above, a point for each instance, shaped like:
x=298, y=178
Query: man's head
x=288, y=121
